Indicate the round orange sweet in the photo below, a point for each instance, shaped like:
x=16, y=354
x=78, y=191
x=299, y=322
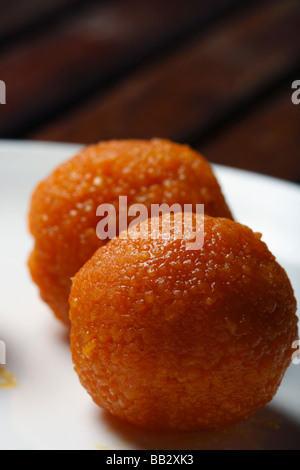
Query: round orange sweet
x=63, y=217
x=167, y=338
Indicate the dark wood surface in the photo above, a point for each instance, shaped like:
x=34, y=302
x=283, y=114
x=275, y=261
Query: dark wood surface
x=216, y=75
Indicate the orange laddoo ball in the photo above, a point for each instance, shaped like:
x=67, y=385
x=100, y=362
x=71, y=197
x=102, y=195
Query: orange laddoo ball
x=168, y=338
x=63, y=217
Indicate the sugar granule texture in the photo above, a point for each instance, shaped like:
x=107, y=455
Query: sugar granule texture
x=167, y=338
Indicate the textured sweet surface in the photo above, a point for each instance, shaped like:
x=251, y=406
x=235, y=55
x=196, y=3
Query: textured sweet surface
x=170, y=338
x=63, y=209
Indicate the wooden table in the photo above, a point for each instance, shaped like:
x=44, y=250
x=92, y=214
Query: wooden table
x=215, y=74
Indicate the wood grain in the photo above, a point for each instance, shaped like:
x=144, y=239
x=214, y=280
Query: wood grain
x=266, y=140
x=17, y=16
x=183, y=96
x=72, y=59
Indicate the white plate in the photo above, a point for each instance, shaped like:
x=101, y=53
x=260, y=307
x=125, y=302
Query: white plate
x=49, y=409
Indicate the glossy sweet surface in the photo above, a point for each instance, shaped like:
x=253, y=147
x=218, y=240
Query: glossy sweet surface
x=169, y=338
x=63, y=217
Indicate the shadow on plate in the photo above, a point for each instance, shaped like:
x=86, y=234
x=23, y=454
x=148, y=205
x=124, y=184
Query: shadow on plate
x=268, y=429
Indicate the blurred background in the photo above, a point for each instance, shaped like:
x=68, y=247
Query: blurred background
x=214, y=74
